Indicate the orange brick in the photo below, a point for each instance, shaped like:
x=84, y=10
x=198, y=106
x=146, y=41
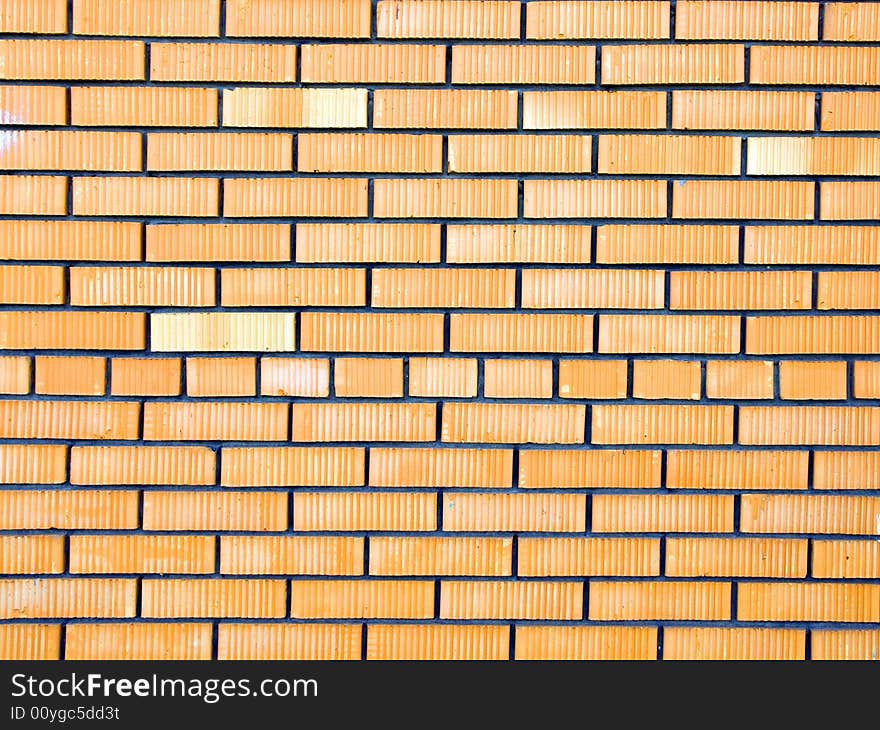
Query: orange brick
x=628, y=154
x=595, y=199
x=518, y=378
x=515, y=153
x=77, y=60
x=141, y=554
x=521, y=333
x=819, y=65
x=662, y=424
x=438, y=19
x=252, y=107
x=222, y=62
x=750, y=199
x=812, y=380
x=536, y=512
x=361, y=599
x=684, y=63
x=846, y=559
x=846, y=470
x=31, y=554
x=836, y=245
x=385, y=332
x=662, y=513
x=808, y=602
x=477, y=244
x=851, y=22
x=717, y=109
x=128, y=286
x=680, y=244
x=368, y=377
x=15, y=375
x=289, y=641
x=299, y=18
x=70, y=240
x=142, y=106
x=213, y=511
x=666, y=379
x=749, y=379
x=219, y=151
x=33, y=16
x=813, y=156
x=512, y=423
x=356, y=511
x=33, y=105
x=440, y=556
x=223, y=331
x=734, y=290
x=204, y=598
x=31, y=284
x=147, y=18
x=866, y=379
x=483, y=288
x=511, y=600
x=69, y=150
x=844, y=644
x=629, y=469
x=32, y=464
x=153, y=465
x=849, y=201
x=33, y=195
x=737, y=470
x=221, y=376
x=602, y=19
x=69, y=375
x=218, y=242
x=592, y=378
x=594, y=109
x=20, y=642
x=145, y=641
x=295, y=376
x=444, y=108
x=68, y=510
x=587, y=556
x=289, y=197
x=67, y=597
x=215, y=421
x=699, y=557
x=669, y=600
x=448, y=198
x=443, y=377
x=734, y=19
x=811, y=334
x=42, y=419
x=292, y=287
x=355, y=152
x=663, y=333
x=733, y=643
x=276, y=555
x=455, y=468
x=145, y=196
x=523, y=64
x=141, y=376
x=433, y=641
x=830, y=425
x=72, y=330
x=844, y=111
x=280, y=466
x=363, y=422
x=848, y=290
x=365, y=63
x=597, y=288
x=578, y=643
x=823, y=514
x=368, y=242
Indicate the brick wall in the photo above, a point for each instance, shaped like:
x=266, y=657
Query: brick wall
x=439, y=329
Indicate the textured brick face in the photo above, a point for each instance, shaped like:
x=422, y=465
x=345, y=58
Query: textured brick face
x=439, y=329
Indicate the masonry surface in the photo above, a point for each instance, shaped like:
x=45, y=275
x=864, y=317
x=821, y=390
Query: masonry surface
x=439, y=329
